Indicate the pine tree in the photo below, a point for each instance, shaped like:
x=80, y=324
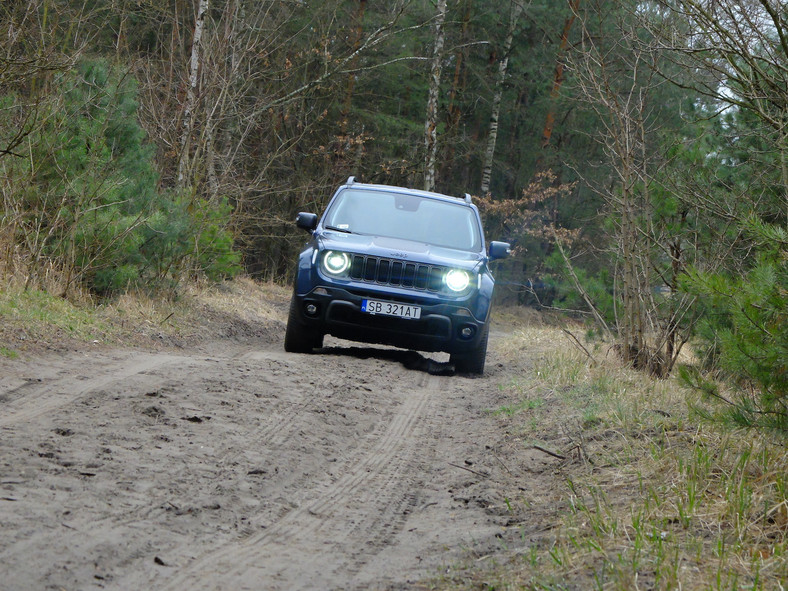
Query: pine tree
x=89, y=198
x=746, y=333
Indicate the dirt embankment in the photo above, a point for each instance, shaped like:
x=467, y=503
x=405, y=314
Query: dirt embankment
x=225, y=463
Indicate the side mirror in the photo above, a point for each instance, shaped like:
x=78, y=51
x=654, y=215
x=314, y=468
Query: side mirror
x=499, y=250
x=306, y=221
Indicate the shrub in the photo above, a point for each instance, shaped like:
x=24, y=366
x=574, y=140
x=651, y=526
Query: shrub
x=744, y=334
x=88, y=197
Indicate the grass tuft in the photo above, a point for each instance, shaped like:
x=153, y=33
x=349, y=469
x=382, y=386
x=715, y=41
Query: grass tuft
x=653, y=497
x=8, y=353
x=32, y=319
x=38, y=311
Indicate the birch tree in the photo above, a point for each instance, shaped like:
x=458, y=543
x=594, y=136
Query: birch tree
x=190, y=103
x=431, y=124
x=500, y=81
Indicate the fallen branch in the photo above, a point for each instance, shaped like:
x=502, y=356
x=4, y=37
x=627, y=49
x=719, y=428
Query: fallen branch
x=469, y=470
x=549, y=453
x=579, y=344
x=502, y=464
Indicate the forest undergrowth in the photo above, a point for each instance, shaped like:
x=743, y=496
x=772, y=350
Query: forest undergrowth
x=655, y=496
x=33, y=320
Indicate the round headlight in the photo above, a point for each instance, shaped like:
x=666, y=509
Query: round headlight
x=336, y=263
x=457, y=280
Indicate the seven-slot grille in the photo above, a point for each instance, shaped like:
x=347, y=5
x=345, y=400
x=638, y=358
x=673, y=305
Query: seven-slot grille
x=399, y=273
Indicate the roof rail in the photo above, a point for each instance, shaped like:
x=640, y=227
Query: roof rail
x=351, y=180
x=467, y=197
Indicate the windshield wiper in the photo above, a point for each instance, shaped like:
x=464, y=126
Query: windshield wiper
x=344, y=230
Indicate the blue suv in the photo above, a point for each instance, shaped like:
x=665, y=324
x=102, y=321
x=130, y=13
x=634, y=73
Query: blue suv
x=397, y=267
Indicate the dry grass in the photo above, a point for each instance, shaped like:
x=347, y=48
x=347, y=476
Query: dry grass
x=653, y=498
x=33, y=319
x=247, y=298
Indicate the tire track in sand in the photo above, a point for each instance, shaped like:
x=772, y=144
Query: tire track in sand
x=40, y=399
x=34, y=399
x=340, y=529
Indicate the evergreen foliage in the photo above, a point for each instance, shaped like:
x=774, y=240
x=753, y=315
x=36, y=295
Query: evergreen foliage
x=745, y=331
x=91, y=197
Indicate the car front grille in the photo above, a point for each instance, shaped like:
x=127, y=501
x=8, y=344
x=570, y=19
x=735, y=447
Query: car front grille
x=395, y=272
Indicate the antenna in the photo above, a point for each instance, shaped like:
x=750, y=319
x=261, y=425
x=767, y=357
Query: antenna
x=467, y=197
x=351, y=180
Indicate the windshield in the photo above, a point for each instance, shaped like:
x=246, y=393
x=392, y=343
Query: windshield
x=409, y=217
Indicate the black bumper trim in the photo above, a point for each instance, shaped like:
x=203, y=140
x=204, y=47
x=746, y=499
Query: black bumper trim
x=436, y=330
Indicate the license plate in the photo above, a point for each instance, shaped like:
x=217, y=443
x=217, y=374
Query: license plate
x=390, y=309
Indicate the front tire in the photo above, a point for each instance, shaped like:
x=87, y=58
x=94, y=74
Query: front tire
x=472, y=362
x=300, y=338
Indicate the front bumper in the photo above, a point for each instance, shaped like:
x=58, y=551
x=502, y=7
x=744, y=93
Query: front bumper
x=443, y=326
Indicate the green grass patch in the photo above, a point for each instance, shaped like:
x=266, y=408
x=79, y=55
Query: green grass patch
x=652, y=496
x=40, y=311
x=524, y=405
x=8, y=353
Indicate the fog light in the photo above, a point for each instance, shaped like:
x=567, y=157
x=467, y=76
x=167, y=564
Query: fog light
x=466, y=332
x=311, y=309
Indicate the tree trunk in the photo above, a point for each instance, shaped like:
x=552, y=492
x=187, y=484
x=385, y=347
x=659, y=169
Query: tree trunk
x=492, y=136
x=457, y=87
x=358, y=31
x=558, y=78
x=191, y=94
x=431, y=125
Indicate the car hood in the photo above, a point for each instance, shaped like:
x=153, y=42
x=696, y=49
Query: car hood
x=395, y=248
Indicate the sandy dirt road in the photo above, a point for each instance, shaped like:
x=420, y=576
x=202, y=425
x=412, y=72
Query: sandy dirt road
x=233, y=465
